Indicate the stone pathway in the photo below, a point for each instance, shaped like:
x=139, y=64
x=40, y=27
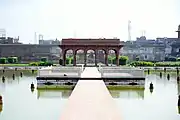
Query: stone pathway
x=90, y=100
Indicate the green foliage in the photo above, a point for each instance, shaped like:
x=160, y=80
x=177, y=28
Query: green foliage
x=69, y=60
x=123, y=60
x=15, y=59
x=168, y=64
x=72, y=60
x=44, y=59
x=158, y=64
x=110, y=59
x=114, y=61
x=61, y=61
x=3, y=60
x=142, y=63
x=40, y=63
x=178, y=59
x=33, y=64
x=12, y=60
x=173, y=59
x=137, y=58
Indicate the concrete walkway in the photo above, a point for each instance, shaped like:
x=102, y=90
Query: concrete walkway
x=90, y=100
x=91, y=72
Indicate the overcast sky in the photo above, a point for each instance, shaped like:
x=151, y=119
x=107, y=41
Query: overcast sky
x=89, y=18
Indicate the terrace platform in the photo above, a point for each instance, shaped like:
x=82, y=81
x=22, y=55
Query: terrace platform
x=62, y=76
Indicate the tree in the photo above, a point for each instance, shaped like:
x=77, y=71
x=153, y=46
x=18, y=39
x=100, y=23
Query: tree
x=111, y=59
x=44, y=59
x=61, y=61
x=137, y=58
x=3, y=60
x=12, y=59
x=123, y=60
x=67, y=60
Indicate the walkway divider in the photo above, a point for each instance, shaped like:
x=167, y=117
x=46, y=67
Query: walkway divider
x=90, y=100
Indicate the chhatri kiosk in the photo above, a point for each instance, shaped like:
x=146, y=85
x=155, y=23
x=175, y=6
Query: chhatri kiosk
x=90, y=44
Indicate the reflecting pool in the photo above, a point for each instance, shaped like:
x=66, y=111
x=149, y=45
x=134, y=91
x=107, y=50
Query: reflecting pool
x=20, y=103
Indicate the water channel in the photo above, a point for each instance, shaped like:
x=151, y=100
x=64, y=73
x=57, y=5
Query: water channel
x=20, y=103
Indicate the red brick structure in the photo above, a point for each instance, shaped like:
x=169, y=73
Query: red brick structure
x=90, y=44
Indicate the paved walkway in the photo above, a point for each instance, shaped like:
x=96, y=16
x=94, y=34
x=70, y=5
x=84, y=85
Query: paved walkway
x=90, y=100
x=91, y=72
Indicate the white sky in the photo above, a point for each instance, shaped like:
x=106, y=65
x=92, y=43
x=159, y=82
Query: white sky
x=89, y=18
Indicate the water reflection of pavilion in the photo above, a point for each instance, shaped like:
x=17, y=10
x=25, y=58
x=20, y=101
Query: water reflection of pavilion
x=1, y=108
x=127, y=93
x=178, y=87
x=53, y=93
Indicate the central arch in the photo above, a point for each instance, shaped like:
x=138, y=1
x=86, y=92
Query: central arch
x=80, y=56
x=90, y=57
x=101, y=56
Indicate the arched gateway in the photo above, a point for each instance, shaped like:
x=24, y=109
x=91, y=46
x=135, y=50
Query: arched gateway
x=90, y=44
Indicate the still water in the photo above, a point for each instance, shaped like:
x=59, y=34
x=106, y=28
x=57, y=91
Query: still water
x=20, y=103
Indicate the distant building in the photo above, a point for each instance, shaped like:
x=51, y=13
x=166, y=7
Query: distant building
x=49, y=42
x=55, y=50
x=29, y=52
x=144, y=49
x=176, y=45
x=9, y=40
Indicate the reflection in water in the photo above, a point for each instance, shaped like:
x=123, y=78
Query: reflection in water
x=178, y=86
x=129, y=93
x=151, y=90
x=54, y=93
x=32, y=90
x=18, y=73
x=1, y=104
x=179, y=109
x=137, y=105
x=1, y=108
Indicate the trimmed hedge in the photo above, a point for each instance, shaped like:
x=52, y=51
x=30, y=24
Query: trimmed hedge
x=173, y=59
x=3, y=60
x=123, y=60
x=44, y=59
x=167, y=64
x=12, y=59
x=142, y=63
x=40, y=64
x=158, y=64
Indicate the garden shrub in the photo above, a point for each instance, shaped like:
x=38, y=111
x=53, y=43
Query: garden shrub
x=123, y=60
x=3, y=60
